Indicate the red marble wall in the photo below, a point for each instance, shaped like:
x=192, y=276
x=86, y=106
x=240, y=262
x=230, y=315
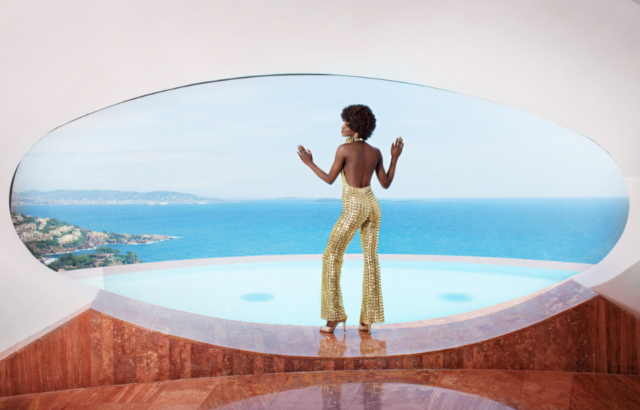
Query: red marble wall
x=95, y=349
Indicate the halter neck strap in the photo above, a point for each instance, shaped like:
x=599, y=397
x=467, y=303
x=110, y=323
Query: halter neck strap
x=349, y=140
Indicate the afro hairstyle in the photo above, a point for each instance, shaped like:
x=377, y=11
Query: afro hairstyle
x=360, y=119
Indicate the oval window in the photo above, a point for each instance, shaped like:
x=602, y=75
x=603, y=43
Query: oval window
x=212, y=170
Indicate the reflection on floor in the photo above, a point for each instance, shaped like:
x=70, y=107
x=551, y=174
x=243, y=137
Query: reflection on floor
x=430, y=335
x=375, y=389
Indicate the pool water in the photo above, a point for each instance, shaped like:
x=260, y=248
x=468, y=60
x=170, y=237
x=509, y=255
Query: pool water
x=289, y=292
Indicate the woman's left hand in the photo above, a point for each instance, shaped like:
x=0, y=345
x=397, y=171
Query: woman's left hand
x=305, y=155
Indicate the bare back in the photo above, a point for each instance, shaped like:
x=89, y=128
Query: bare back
x=360, y=161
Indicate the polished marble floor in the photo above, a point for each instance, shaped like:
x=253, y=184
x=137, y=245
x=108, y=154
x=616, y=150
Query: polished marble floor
x=378, y=389
x=388, y=339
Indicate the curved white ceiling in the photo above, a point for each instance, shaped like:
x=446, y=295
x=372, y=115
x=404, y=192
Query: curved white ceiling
x=574, y=62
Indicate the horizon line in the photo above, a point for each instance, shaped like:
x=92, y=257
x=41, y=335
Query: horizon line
x=338, y=199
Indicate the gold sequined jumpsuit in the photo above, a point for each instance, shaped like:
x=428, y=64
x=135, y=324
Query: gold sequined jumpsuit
x=360, y=210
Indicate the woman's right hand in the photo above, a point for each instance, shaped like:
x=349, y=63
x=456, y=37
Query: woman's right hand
x=396, y=147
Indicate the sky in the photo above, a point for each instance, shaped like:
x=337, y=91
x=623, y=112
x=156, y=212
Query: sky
x=238, y=139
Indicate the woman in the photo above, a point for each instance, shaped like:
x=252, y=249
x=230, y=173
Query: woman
x=355, y=161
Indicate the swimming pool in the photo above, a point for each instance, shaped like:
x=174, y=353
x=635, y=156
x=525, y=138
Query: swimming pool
x=289, y=292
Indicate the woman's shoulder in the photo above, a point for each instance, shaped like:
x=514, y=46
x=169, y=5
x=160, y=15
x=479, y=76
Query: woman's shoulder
x=351, y=146
x=375, y=149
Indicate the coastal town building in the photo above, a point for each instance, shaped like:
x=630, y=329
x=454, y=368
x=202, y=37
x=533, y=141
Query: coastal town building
x=96, y=236
x=101, y=257
x=42, y=222
x=28, y=227
x=66, y=239
x=34, y=236
x=59, y=231
x=69, y=234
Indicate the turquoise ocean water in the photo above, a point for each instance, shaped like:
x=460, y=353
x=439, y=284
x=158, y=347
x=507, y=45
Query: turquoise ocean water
x=580, y=230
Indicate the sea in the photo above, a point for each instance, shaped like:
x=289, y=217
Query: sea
x=582, y=230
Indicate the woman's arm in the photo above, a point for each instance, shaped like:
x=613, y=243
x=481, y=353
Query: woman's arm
x=386, y=178
x=338, y=163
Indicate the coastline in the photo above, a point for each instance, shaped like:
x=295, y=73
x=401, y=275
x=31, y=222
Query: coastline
x=133, y=203
x=105, y=244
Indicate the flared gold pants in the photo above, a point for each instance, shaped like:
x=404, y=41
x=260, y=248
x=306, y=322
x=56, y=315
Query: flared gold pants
x=360, y=210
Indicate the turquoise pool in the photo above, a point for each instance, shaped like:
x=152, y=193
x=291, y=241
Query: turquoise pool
x=289, y=292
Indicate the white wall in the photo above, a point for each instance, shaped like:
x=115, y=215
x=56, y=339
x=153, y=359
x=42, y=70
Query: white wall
x=574, y=62
x=617, y=276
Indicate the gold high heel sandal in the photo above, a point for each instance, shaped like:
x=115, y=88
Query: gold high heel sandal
x=327, y=329
x=365, y=327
